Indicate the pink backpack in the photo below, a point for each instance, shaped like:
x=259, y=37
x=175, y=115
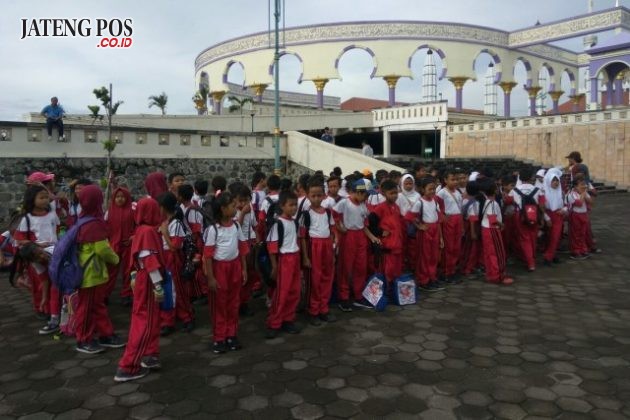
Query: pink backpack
x=68, y=320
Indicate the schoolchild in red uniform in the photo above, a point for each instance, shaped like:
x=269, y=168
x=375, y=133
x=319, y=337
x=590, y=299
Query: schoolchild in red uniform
x=246, y=219
x=494, y=255
x=285, y=268
x=173, y=232
x=143, y=345
x=193, y=220
x=155, y=184
x=225, y=249
x=426, y=215
x=120, y=221
x=392, y=232
x=351, y=217
x=510, y=216
x=317, y=235
x=471, y=248
x=39, y=225
x=453, y=226
x=578, y=201
x=528, y=232
x=557, y=211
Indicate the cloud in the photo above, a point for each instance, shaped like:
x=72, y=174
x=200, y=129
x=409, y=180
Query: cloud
x=169, y=34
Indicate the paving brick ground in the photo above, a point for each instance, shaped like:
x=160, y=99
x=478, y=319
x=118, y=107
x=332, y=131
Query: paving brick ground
x=555, y=345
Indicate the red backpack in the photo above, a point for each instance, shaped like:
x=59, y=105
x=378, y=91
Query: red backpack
x=530, y=211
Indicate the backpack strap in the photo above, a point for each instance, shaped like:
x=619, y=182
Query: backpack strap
x=280, y=233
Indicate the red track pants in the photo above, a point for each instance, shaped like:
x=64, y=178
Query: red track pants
x=578, y=231
x=225, y=301
x=554, y=234
x=428, y=245
x=452, y=230
x=92, y=317
x=353, y=264
x=286, y=294
x=321, y=274
x=494, y=256
x=144, y=331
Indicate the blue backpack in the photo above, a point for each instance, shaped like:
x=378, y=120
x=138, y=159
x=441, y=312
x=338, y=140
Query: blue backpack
x=375, y=291
x=64, y=269
x=405, y=290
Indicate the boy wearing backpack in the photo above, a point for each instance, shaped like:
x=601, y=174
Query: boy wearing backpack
x=194, y=222
x=529, y=202
x=267, y=208
x=317, y=235
x=94, y=254
x=284, y=252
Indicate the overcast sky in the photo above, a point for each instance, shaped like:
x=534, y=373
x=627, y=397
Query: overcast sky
x=168, y=35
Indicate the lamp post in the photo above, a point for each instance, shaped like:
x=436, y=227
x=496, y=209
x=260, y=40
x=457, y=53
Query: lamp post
x=435, y=127
x=276, y=61
x=252, y=113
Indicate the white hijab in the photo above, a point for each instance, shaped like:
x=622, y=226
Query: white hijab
x=406, y=199
x=553, y=196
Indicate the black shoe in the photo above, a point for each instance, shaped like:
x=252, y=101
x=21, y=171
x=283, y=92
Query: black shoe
x=112, y=342
x=219, y=347
x=42, y=316
x=122, y=376
x=233, y=344
x=89, y=348
x=362, y=303
x=531, y=269
x=328, y=317
x=586, y=255
x=596, y=251
x=425, y=288
x=435, y=287
x=245, y=310
x=577, y=257
x=547, y=263
x=126, y=301
x=51, y=326
x=202, y=300
x=290, y=328
x=150, y=362
x=258, y=293
x=271, y=333
x=556, y=260
x=314, y=320
x=345, y=306
x=188, y=326
x=164, y=331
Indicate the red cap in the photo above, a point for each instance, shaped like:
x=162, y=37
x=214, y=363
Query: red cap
x=37, y=177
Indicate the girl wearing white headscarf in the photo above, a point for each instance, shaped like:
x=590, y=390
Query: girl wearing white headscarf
x=408, y=195
x=556, y=210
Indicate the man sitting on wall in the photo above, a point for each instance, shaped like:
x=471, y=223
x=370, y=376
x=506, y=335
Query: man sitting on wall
x=367, y=149
x=54, y=114
x=327, y=136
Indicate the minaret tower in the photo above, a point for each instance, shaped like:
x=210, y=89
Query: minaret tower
x=429, y=79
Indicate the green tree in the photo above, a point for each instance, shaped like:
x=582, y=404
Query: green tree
x=102, y=95
x=95, y=113
x=159, y=101
x=238, y=104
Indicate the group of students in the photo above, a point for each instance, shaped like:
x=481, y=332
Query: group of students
x=308, y=243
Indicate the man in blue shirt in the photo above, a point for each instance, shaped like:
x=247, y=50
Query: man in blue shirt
x=327, y=136
x=54, y=114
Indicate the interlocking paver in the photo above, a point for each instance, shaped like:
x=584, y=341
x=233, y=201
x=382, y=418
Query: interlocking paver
x=554, y=345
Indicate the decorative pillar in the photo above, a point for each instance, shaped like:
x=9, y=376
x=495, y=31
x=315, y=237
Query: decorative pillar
x=532, y=91
x=619, y=88
x=610, y=98
x=593, y=105
x=319, y=86
x=387, y=146
x=259, y=88
x=391, y=84
x=217, y=97
x=459, y=82
x=555, y=98
x=507, y=92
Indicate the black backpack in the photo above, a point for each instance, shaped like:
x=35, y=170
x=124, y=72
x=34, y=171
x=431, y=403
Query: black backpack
x=530, y=210
x=189, y=249
x=273, y=212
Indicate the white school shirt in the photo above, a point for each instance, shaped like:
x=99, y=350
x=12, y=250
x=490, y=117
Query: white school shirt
x=329, y=202
x=289, y=240
x=194, y=217
x=320, y=224
x=574, y=196
x=248, y=225
x=405, y=203
x=258, y=196
x=303, y=204
x=429, y=210
x=175, y=230
x=264, y=205
x=490, y=207
x=526, y=189
x=473, y=209
x=224, y=239
x=375, y=199
x=43, y=227
x=452, y=201
x=353, y=215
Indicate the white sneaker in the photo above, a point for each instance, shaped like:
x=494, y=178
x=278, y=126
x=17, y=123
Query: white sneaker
x=49, y=138
x=62, y=138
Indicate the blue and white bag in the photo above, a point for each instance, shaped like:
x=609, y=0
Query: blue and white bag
x=168, y=304
x=405, y=290
x=374, y=291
